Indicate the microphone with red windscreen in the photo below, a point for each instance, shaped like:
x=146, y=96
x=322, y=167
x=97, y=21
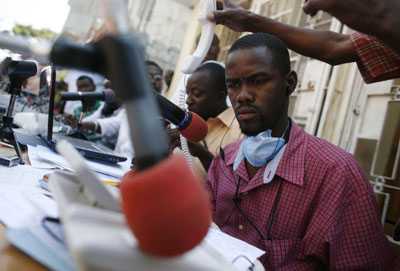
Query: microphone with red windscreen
x=196, y=130
x=189, y=124
x=166, y=207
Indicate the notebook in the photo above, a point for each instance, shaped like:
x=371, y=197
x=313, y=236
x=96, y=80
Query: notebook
x=87, y=149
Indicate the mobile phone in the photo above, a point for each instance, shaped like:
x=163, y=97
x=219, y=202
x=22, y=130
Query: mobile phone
x=9, y=161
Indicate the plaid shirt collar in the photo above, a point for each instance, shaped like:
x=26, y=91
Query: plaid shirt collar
x=293, y=159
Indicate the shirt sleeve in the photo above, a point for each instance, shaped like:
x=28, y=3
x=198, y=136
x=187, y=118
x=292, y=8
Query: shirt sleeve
x=376, y=60
x=357, y=241
x=110, y=126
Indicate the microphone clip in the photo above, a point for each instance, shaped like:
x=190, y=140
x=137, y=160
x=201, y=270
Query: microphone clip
x=237, y=199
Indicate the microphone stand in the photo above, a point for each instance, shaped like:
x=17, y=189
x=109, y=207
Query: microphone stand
x=6, y=131
x=18, y=72
x=78, y=133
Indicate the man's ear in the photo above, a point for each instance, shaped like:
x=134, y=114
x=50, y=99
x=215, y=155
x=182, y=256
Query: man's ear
x=291, y=82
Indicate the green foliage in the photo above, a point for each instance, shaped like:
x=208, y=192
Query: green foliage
x=27, y=30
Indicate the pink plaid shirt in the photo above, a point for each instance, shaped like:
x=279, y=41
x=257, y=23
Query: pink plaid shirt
x=377, y=61
x=326, y=216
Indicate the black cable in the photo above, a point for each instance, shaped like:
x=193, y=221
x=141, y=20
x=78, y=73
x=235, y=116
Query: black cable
x=237, y=200
x=251, y=268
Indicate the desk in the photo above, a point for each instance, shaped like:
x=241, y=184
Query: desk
x=11, y=258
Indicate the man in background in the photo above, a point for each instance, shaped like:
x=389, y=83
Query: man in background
x=155, y=75
x=206, y=96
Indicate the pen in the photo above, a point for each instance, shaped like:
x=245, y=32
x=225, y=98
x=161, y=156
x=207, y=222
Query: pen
x=112, y=183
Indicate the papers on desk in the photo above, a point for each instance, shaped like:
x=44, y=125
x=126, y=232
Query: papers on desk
x=24, y=208
x=22, y=177
x=236, y=251
x=43, y=157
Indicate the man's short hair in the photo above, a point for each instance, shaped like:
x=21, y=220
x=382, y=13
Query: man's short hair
x=276, y=47
x=215, y=39
x=85, y=77
x=152, y=63
x=217, y=74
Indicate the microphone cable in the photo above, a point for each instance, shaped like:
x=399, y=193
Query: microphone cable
x=183, y=141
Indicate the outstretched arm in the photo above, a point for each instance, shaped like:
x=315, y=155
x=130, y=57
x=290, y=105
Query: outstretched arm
x=327, y=46
x=380, y=18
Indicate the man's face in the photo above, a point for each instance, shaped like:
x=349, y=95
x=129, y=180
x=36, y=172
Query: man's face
x=85, y=85
x=155, y=77
x=202, y=96
x=256, y=89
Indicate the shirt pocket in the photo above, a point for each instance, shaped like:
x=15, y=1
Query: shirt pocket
x=283, y=254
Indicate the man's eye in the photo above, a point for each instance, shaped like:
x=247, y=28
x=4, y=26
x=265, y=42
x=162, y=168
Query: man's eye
x=258, y=81
x=232, y=85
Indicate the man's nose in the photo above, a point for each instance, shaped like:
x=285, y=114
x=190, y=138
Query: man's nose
x=189, y=100
x=245, y=95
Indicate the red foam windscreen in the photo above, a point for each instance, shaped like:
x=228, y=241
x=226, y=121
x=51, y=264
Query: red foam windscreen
x=197, y=129
x=166, y=207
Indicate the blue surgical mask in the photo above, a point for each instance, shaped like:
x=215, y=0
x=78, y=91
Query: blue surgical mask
x=259, y=149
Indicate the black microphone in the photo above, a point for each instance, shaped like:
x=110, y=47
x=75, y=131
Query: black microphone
x=189, y=124
x=106, y=95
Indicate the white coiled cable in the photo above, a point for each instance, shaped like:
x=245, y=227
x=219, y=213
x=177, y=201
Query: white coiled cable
x=184, y=144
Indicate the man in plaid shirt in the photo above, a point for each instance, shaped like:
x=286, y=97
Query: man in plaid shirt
x=304, y=201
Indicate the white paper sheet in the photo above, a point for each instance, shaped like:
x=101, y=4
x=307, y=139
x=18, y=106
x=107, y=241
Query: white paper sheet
x=232, y=248
x=115, y=171
x=38, y=162
x=21, y=208
x=23, y=176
